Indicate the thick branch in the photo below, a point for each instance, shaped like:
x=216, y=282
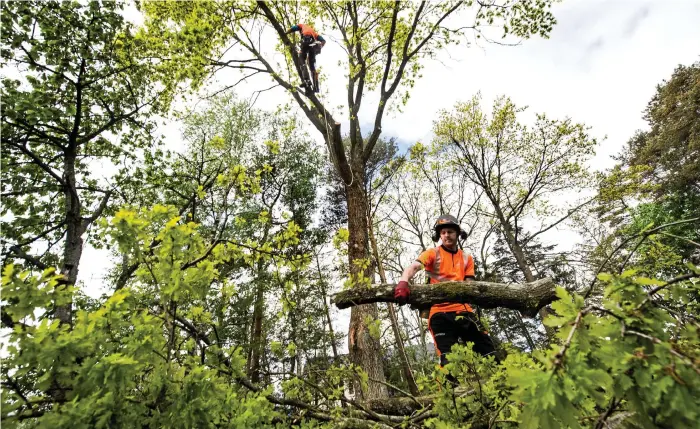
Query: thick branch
x=29, y=258
x=527, y=298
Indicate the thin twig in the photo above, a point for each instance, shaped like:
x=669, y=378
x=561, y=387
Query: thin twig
x=559, y=357
x=681, y=238
x=670, y=282
x=624, y=242
x=600, y=424
x=655, y=340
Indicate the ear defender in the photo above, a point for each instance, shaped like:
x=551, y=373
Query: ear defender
x=463, y=235
x=435, y=237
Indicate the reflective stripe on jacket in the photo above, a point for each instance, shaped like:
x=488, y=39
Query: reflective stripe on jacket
x=442, y=265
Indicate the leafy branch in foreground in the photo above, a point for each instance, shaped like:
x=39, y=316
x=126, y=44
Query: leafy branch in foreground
x=152, y=354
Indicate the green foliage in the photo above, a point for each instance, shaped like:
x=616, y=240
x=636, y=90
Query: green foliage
x=667, y=252
x=629, y=360
x=114, y=368
x=79, y=94
x=216, y=285
x=655, y=184
x=670, y=150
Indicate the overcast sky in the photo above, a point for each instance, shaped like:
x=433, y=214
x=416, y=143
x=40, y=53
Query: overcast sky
x=600, y=66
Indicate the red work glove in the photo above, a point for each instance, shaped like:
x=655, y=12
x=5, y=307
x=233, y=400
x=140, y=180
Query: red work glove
x=402, y=292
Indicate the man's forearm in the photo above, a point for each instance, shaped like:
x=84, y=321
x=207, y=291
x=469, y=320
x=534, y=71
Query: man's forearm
x=410, y=271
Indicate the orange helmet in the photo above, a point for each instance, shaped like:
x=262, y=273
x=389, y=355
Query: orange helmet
x=445, y=221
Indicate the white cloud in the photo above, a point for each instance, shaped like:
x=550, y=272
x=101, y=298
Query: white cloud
x=600, y=67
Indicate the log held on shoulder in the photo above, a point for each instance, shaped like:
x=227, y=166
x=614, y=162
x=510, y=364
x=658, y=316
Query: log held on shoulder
x=528, y=298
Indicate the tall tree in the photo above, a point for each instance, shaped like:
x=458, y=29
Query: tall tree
x=385, y=43
x=288, y=196
x=657, y=182
x=83, y=97
x=520, y=169
x=671, y=146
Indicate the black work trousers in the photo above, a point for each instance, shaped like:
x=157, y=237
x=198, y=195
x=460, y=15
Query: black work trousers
x=308, y=54
x=449, y=328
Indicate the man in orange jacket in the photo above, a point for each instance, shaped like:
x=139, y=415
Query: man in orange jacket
x=448, y=322
x=311, y=44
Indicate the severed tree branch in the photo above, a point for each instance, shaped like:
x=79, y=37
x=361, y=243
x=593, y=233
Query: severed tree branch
x=527, y=297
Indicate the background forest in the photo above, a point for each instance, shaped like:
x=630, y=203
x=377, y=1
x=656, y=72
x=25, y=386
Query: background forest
x=132, y=131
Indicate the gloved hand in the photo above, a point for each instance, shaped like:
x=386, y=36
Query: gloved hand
x=402, y=292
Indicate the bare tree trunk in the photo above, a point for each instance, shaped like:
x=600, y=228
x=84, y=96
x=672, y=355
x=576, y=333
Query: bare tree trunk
x=421, y=329
x=73, y=246
x=521, y=322
x=516, y=249
x=256, y=335
x=364, y=349
x=294, y=360
x=324, y=292
x=405, y=364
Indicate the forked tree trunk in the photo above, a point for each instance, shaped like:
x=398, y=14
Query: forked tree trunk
x=364, y=349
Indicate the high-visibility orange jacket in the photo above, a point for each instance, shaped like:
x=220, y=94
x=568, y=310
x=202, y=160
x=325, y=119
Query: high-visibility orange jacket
x=307, y=30
x=443, y=265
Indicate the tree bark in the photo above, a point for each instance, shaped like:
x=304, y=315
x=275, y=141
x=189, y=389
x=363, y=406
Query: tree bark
x=364, y=349
x=73, y=246
x=256, y=336
x=405, y=364
x=528, y=298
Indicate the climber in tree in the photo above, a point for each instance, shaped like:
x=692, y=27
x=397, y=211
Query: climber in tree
x=448, y=322
x=311, y=44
